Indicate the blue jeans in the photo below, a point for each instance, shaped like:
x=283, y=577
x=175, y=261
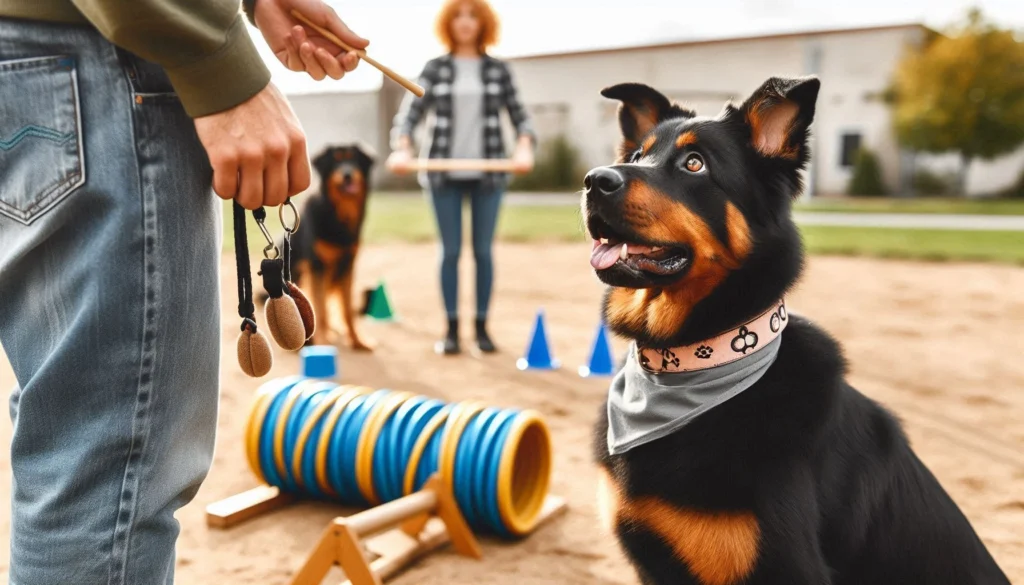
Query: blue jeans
x=109, y=307
x=484, y=205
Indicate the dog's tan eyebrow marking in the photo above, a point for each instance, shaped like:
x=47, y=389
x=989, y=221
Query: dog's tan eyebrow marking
x=685, y=138
x=649, y=143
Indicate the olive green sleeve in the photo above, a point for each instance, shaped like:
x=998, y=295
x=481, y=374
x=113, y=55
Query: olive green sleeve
x=202, y=44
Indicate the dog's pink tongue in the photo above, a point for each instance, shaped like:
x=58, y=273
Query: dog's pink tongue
x=604, y=256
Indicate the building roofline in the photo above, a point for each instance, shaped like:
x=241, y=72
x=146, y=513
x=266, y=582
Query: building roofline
x=712, y=41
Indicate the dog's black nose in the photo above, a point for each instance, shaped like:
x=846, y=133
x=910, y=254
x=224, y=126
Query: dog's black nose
x=603, y=181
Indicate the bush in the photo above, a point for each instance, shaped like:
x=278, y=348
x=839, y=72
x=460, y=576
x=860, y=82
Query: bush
x=926, y=182
x=557, y=168
x=1017, y=189
x=389, y=181
x=867, y=175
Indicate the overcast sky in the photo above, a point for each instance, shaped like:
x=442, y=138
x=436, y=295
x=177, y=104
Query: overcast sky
x=401, y=31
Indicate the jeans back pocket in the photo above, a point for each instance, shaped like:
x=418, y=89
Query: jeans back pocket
x=41, y=158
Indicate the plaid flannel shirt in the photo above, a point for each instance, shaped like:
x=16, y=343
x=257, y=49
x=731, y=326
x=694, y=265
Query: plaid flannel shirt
x=499, y=92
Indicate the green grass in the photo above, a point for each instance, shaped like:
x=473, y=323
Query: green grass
x=916, y=205
x=393, y=218
x=917, y=244
x=409, y=219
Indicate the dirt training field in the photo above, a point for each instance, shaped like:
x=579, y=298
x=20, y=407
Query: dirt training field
x=940, y=344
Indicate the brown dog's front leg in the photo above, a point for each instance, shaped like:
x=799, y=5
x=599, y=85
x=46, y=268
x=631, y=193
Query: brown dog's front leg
x=348, y=312
x=321, y=335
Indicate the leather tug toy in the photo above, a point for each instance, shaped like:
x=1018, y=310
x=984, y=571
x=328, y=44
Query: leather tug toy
x=287, y=312
x=290, y=288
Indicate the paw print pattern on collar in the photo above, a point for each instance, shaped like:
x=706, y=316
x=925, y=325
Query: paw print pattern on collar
x=728, y=347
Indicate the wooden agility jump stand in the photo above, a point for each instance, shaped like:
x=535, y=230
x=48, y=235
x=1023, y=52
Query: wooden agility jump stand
x=340, y=543
x=427, y=520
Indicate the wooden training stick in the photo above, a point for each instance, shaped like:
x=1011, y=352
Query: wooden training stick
x=461, y=164
x=413, y=87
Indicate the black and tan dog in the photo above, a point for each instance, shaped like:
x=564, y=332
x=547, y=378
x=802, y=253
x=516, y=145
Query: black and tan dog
x=327, y=243
x=798, y=479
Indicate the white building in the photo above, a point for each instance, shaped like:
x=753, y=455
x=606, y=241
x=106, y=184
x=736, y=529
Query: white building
x=562, y=91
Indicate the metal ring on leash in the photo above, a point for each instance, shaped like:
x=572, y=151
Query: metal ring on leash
x=295, y=215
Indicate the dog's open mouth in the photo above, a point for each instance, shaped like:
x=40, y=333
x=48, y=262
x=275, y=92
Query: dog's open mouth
x=348, y=186
x=613, y=248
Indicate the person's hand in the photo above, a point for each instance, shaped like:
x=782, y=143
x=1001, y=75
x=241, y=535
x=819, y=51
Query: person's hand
x=257, y=150
x=399, y=161
x=522, y=157
x=302, y=49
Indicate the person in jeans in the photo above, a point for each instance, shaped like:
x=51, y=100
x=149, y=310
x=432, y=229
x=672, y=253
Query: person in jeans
x=466, y=89
x=115, y=119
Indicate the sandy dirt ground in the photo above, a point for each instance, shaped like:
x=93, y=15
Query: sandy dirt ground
x=939, y=344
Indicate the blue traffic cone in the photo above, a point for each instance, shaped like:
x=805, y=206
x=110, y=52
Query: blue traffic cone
x=601, y=359
x=538, y=355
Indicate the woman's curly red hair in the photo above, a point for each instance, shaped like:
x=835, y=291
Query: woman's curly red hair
x=485, y=14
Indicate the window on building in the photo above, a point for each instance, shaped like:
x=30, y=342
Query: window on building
x=848, y=149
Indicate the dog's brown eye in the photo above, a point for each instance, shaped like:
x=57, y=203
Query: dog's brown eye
x=636, y=156
x=694, y=163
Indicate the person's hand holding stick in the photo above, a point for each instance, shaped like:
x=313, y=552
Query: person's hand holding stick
x=407, y=84
x=311, y=51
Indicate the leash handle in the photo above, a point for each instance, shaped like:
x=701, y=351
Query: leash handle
x=246, y=309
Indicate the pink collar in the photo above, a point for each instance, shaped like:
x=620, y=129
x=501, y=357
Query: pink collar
x=721, y=349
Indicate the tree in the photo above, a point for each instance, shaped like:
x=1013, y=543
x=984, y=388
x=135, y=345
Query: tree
x=962, y=92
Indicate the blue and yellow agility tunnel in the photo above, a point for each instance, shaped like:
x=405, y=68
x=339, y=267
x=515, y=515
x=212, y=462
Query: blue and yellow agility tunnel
x=359, y=446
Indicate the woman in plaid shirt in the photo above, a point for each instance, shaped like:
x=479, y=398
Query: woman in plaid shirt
x=466, y=89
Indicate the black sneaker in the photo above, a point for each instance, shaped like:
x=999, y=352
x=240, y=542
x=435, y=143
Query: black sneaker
x=450, y=344
x=483, y=340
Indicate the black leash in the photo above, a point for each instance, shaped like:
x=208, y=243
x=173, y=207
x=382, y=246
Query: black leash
x=246, y=308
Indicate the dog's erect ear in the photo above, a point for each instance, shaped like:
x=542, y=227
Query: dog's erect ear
x=324, y=161
x=779, y=114
x=643, y=108
x=366, y=153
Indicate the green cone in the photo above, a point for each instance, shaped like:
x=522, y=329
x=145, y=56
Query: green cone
x=380, y=306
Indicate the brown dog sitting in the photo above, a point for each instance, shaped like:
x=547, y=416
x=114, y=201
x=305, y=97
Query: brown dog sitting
x=325, y=248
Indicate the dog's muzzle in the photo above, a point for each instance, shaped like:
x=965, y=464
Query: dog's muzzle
x=603, y=182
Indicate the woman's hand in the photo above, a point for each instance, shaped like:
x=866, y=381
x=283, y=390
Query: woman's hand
x=522, y=157
x=302, y=49
x=399, y=161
